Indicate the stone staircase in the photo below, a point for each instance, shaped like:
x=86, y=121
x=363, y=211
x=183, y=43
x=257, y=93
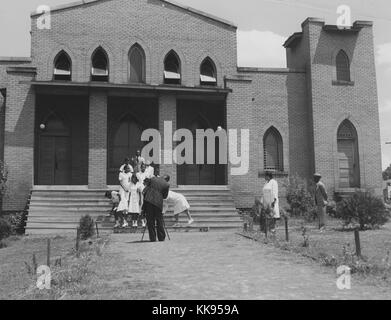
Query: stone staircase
x=56, y=211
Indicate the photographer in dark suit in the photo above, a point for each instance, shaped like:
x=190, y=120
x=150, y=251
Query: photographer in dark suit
x=156, y=190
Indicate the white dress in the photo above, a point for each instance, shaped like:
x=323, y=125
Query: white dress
x=124, y=179
x=142, y=176
x=135, y=197
x=270, y=192
x=177, y=201
x=150, y=172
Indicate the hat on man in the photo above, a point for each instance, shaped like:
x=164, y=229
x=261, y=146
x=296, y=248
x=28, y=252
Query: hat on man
x=318, y=175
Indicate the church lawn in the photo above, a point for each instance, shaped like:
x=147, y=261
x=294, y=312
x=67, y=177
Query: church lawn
x=70, y=275
x=334, y=247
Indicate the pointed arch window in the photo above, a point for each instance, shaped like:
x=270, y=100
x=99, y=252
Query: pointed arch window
x=62, y=67
x=273, y=150
x=137, y=64
x=172, y=68
x=208, y=74
x=343, y=66
x=100, y=65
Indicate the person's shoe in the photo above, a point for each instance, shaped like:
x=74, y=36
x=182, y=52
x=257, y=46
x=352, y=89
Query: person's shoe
x=190, y=222
x=144, y=224
x=117, y=225
x=135, y=224
x=125, y=225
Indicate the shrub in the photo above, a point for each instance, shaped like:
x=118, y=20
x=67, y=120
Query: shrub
x=364, y=209
x=299, y=198
x=86, y=227
x=3, y=181
x=5, y=229
x=17, y=221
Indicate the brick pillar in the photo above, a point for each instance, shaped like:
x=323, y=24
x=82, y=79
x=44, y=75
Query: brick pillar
x=19, y=142
x=2, y=122
x=97, y=156
x=167, y=112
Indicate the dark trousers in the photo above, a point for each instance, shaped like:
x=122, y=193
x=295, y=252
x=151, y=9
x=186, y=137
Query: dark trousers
x=155, y=218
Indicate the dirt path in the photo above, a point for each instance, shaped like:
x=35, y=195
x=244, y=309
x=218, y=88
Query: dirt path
x=214, y=266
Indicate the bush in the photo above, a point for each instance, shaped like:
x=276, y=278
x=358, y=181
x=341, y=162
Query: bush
x=86, y=227
x=363, y=209
x=299, y=198
x=5, y=229
x=17, y=221
x=3, y=181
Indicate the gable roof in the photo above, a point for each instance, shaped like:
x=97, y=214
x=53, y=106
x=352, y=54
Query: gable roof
x=169, y=2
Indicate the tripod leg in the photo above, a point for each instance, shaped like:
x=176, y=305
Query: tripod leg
x=164, y=224
x=145, y=229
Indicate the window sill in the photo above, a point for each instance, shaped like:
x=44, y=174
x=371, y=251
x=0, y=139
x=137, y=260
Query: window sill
x=261, y=174
x=342, y=83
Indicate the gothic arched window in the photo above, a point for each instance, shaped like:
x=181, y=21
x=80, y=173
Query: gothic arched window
x=137, y=64
x=62, y=66
x=343, y=66
x=273, y=151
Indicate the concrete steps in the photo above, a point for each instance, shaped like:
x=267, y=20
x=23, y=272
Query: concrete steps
x=58, y=210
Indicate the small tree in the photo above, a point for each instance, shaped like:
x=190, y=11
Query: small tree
x=5, y=229
x=299, y=198
x=387, y=174
x=3, y=181
x=364, y=209
x=86, y=227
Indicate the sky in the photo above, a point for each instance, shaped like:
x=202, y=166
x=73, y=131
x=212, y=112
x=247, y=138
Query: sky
x=263, y=26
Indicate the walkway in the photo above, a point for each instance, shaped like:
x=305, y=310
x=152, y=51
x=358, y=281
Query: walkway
x=215, y=266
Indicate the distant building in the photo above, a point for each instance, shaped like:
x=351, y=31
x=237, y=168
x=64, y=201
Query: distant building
x=107, y=70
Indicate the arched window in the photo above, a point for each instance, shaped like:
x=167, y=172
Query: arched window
x=343, y=66
x=62, y=66
x=273, y=151
x=208, y=74
x=100, y=65
x=172, y=68
x=137, y=64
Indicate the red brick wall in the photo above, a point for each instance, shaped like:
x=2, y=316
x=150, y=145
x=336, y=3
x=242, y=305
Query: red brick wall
x=117, y=25
x=332, y=104
x=19, y=140
x=97, y=141
x=261, y=100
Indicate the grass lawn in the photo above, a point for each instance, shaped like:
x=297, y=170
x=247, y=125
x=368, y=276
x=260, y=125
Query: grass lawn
x=334, y=247
x=70, y=275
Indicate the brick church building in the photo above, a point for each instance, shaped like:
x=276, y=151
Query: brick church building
x=107, y=70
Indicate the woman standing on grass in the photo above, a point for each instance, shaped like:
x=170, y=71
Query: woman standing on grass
x=124, y=192
x=270, y=197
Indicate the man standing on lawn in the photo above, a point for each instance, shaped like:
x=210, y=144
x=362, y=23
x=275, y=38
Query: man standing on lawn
x=155, y=192
x=320, y=200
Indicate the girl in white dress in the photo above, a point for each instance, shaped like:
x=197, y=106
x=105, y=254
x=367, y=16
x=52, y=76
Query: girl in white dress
x=124, y=192
x=135, y=199
x=179, y=204
x=270, y=196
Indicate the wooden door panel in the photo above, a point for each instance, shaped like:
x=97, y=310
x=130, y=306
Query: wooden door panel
x=62, y=161
x=46, y=160
x=347, y=165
